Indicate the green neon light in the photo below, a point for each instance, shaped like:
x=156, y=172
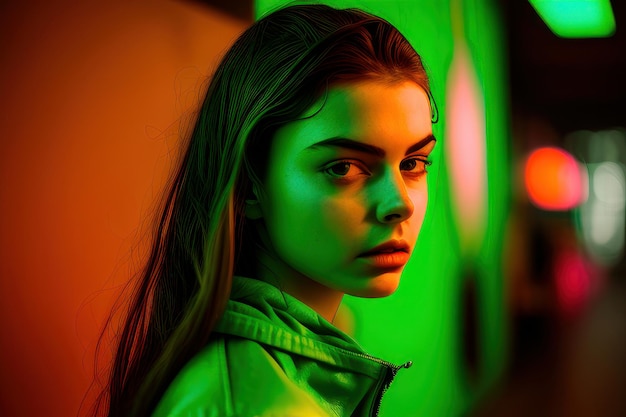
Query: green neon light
x=577, y=18
x=424, y=320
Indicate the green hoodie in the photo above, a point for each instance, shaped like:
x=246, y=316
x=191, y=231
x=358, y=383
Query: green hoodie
x=273, y=356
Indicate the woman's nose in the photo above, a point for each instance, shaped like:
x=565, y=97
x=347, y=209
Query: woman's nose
x=394, y=203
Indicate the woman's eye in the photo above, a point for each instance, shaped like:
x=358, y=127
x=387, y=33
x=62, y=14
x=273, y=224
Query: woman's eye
x=414, y=165
x=341, y=169
x=344, y=169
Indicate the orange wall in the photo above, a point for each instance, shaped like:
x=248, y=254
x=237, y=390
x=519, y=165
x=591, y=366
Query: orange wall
x=91, y=96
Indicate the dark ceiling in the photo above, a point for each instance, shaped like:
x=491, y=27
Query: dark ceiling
x=569, y=83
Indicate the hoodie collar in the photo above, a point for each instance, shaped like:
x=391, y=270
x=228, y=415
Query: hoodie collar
x=261, y=312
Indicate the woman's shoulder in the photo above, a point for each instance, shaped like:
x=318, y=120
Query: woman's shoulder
x=234, y=377
x=200, y=388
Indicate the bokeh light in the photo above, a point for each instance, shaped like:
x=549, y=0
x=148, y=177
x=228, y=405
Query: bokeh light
x=554, y=179
x=574, y=281
x=601, y=219
x=603, y=216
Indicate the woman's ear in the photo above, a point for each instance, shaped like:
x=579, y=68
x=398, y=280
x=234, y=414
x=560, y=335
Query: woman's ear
x=253, y=206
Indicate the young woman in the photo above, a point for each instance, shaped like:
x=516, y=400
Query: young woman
x=304, y=179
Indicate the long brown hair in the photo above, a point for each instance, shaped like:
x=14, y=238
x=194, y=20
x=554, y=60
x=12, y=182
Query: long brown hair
x=275, y=71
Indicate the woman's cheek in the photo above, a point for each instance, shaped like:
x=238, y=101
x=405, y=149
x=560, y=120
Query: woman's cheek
x=419, y=197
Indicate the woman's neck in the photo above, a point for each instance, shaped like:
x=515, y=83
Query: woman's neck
x=325, y=301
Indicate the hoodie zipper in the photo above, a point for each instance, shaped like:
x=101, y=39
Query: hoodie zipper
x=390, y=373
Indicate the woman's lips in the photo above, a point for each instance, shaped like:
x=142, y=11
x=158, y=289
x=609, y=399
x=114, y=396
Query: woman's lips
x=390, y=255
x=386, y=260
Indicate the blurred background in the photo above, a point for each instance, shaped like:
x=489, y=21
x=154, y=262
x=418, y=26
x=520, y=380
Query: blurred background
x=515, y=303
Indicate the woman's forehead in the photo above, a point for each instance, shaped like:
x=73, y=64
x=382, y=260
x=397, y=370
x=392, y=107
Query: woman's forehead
x=368, y=111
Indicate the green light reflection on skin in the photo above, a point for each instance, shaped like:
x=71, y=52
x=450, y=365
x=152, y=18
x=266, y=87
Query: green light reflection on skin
x=325, y=204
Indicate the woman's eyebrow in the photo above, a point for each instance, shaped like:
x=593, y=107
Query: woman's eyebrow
x=338, y=142
x=421, y=144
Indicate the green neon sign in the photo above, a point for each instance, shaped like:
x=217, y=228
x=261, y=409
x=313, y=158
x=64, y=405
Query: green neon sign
x=577, y=18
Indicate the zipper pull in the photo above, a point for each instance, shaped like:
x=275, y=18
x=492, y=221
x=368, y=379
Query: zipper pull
x=405, y=365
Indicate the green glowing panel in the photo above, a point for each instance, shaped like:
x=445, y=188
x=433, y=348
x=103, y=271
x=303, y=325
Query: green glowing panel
x=424, y=320
x=577, y=18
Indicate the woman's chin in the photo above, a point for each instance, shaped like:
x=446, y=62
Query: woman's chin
x=381, y=286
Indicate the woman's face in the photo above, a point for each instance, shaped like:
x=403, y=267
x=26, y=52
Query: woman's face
x=345, y=181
